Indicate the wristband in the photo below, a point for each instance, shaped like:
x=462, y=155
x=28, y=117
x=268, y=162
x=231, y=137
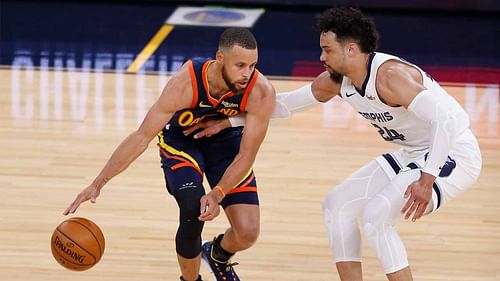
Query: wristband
x=220, y=190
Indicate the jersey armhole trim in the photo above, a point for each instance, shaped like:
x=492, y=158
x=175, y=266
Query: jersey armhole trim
x=248, y=91
x=194, y=83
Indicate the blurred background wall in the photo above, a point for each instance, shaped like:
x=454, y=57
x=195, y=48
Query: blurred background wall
x=455, y=40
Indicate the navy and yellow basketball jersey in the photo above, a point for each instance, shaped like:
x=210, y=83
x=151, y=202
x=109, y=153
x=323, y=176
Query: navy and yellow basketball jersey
x=203, y=105
x=186, y=160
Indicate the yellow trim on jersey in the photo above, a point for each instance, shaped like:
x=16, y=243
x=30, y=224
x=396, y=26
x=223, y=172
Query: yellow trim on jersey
x=150, y=48
x=174, y=151
x=244, y=178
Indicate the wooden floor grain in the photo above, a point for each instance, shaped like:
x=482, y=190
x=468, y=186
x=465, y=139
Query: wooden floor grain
x=57, y=129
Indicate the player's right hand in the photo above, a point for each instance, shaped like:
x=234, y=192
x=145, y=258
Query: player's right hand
x=90, y=193
x=209, y=128
x=209, y=208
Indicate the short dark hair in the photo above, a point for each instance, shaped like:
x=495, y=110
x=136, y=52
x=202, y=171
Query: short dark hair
x=349, y=23
x=237, y=36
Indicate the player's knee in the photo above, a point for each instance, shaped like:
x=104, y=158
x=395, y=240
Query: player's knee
x=190, y=226
x=370, y=231
x=374, y=216
x=327, y=214
x=247, y=234
x=188, y=238
x=332, y=203
x=372, y=224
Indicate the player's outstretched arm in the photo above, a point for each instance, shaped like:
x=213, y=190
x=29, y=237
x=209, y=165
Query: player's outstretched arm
x=260, y=105
x=175, y=96
x=321, y=90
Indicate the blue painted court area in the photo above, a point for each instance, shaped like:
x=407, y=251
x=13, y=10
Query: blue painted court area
x=109, y=36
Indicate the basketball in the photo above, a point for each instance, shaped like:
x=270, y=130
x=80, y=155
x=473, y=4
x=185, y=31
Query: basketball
x=77, y=244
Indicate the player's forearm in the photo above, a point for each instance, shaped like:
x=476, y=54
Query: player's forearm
x=287, y=104
x=236, y=172
x=440, y=146
x=128, y=150
x=443, y=129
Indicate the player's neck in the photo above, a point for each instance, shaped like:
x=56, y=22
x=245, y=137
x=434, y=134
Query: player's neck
x=217, y=87
x=359, y=71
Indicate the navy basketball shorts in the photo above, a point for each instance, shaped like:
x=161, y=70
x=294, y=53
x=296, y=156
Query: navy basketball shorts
x=185, y=161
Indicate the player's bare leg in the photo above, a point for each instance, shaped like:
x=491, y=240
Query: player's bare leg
x=350, y=271
x=190, y=268
x=244, y=230
x=401, y=275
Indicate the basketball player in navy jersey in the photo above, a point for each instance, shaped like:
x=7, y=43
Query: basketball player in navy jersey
x=223, y=87
x=438, y=158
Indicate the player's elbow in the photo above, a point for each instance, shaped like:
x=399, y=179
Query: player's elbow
x=453, y=126
x=323, y=88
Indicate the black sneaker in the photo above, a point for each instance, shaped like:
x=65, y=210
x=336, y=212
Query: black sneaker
x=222, y=271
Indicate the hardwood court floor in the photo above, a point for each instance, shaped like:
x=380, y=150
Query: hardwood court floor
x=58, y=128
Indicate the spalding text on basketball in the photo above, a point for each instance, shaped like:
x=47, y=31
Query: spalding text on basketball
x=68, y=251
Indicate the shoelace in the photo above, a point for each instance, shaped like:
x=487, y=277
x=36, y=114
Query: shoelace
x=229, y=265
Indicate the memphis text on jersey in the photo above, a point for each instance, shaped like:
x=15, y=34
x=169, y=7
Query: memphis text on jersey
x=377, y=116
x=386, y=133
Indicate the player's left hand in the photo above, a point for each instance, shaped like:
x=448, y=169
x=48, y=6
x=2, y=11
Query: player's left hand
x=209, y=207
x=418, y=195
x=208, y=128
x=91, y=193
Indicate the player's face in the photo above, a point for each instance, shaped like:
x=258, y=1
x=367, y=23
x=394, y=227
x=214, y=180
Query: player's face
x=238, y=65
x=332, y=54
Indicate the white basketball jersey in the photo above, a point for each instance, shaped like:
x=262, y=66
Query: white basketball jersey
x=397, y=124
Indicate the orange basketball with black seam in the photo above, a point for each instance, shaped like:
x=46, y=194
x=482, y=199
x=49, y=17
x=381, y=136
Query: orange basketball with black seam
x=77, y=244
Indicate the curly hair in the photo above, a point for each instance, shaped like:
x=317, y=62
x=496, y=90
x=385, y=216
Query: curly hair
x=349, y=23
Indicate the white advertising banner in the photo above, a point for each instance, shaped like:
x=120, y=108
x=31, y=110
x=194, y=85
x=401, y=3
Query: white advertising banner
x=214, y=16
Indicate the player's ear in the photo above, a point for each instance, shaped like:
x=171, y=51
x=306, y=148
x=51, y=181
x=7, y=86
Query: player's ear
x=352, y=48
x=219, y=56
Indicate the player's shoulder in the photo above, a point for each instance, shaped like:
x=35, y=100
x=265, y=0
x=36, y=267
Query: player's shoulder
x=263, y=87
x=262, y=97
x=179, y=88
x=395, y=71
x=181, y=80
x=391, y=67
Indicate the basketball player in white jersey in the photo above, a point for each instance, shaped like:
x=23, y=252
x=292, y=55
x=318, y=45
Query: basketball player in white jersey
x=438, y=157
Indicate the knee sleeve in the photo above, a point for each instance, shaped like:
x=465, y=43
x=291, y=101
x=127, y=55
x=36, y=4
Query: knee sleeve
x=341, y=226
x=188, y=237
x=343, y=206
x=379, y=219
